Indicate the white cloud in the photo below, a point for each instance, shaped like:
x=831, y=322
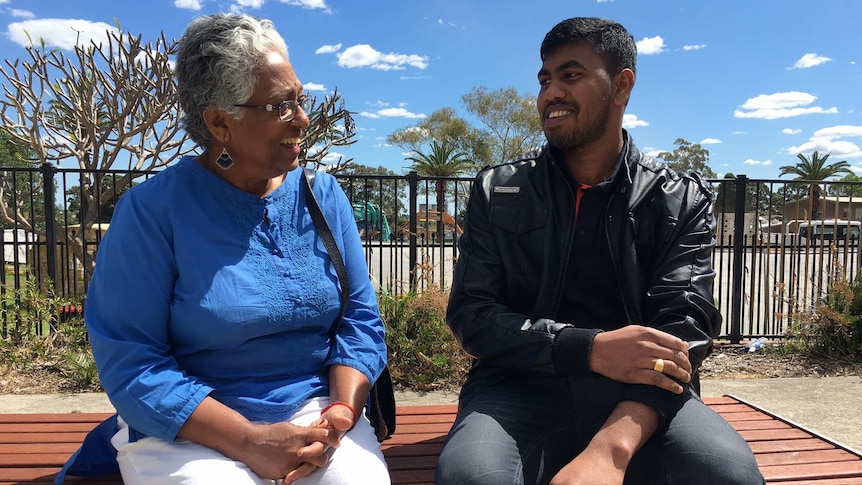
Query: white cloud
x=188, y=4
x=312, y=4
x=650, y=45
x=363, y=55
x=442, y=22
x=757, y=162
x=810, y=60
x=632, y=121
x=3, y=1
x=780, y=105
x=829, y=140
x=313, y=87
x=332, y=157
x=21, y=14
x=391, y=113
x=250, y=3
x=653, y=152
x=328, y=49
x=62, y=33
x=738, y=133
x=695, y=47
x=791, y=131
x=710, y=141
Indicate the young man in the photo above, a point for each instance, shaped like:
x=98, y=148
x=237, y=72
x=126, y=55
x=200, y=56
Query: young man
x=584, y=291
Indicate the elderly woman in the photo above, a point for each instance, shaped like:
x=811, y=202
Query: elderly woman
x=213, y=294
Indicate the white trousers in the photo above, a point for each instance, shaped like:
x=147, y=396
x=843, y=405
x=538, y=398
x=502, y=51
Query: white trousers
x=153, y=461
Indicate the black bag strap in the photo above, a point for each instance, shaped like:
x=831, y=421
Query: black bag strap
x=329, y=243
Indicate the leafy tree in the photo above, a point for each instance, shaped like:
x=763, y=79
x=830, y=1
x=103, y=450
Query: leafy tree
x=689, y=157
x=850, y=187
x=21, y=195
x=758, y=197
x=815, y=168
x=510, y=127
x=446, y=126
x=510, y=118
x=444, y=160
x=377, y=190
x=77, y=205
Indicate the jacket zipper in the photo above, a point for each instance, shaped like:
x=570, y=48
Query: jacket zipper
x=568, y=249
x=617, y=274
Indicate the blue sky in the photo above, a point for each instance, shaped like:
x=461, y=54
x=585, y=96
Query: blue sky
x=754, y=81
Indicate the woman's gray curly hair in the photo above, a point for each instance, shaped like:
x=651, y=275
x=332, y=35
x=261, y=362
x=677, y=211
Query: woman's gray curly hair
x=215, y=66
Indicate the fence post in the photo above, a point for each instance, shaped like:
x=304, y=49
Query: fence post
x=50, y=234
x=413, y=196
x=738, y=256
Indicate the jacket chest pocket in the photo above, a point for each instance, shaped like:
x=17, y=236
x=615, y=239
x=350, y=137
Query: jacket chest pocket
x=520, y=233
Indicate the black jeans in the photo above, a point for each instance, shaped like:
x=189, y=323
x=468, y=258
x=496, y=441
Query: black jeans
x=523, y=431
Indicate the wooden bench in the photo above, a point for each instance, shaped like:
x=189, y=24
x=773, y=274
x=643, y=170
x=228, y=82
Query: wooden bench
x=33, y=447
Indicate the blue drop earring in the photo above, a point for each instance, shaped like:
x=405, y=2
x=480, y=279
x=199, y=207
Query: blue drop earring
x=224, y=161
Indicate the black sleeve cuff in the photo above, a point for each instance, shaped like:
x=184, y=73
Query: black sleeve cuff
x=665, y=403
x=571, y=352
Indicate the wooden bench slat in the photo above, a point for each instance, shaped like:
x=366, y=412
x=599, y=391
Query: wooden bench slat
x=94, y=418
x=760, y=424
x=45, y=427
x=773, y=434
x=412, y=477
x=825, y=481
x=784, y=446
x=43, y=438
x=411, y=462
x=411, y=449
x=33, y=459
x=799, y=457
x=39, y=448
x=751, y=415
x=33, y=447
x=812, y=471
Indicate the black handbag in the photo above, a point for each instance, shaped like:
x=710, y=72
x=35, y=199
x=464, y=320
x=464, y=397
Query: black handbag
x=380, y=407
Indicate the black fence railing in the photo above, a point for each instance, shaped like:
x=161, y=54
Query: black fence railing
x=779, y=244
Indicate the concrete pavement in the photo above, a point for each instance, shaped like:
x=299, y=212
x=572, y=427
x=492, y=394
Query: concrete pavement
x=828, y=406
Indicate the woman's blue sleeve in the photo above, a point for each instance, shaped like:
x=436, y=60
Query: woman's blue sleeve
x=127, y=316
x=360, y=341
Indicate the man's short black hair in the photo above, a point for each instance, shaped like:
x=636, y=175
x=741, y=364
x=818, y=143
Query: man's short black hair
x=610, y=40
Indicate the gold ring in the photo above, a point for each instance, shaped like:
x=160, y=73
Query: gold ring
x=659, y=366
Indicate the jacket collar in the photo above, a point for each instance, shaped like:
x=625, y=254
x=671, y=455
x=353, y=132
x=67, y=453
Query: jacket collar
x=622, y=170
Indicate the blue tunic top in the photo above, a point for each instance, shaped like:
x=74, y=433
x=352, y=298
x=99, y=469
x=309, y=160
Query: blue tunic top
x=201, y=289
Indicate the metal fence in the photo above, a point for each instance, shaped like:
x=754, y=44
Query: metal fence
x=773, y=258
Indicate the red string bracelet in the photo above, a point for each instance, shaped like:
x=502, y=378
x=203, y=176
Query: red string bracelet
x=342, y=403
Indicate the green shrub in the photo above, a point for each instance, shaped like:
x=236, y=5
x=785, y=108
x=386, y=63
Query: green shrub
x=36, y=340
x=834, y=329
x=423, y=353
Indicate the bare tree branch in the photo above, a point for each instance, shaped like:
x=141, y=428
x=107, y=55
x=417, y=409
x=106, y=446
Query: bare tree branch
x=331, y=125
x=99, y=104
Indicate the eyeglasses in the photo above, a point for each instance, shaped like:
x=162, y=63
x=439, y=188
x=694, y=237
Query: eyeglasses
x=287, y=109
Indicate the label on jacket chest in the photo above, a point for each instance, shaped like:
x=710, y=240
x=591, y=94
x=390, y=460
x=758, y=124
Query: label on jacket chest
x=502, y=189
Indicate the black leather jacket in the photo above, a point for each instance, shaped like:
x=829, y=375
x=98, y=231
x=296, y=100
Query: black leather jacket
x=513, y=256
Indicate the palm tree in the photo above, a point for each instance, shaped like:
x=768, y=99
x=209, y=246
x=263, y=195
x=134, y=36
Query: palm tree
x=444, y=160
x=815, y=168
